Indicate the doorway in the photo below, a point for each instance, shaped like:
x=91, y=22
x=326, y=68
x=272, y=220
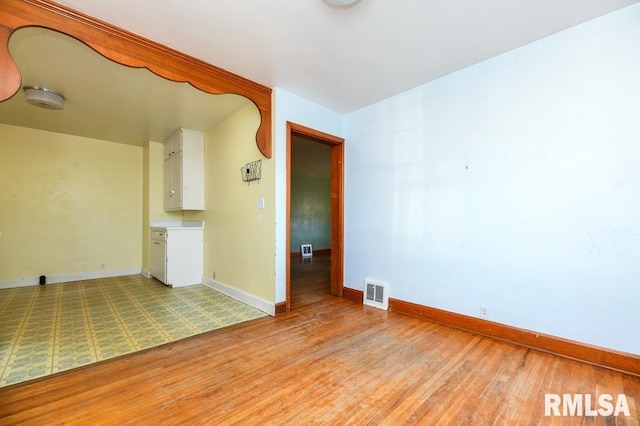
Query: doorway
x=337, y=205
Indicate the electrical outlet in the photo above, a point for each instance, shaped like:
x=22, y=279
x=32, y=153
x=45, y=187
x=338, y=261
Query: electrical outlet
x=102, y=266
x=484, y=311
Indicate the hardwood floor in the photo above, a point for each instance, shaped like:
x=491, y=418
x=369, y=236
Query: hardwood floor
x=329, y=361
x=310, y=279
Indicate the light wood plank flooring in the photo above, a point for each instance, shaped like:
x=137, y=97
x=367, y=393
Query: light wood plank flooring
x=329, y=361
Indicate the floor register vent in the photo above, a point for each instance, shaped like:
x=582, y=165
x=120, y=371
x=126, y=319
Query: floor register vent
x=376, y=294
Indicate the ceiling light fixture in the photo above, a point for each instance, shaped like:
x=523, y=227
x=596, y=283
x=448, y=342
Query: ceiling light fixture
x=341, y=3
x=44, y=98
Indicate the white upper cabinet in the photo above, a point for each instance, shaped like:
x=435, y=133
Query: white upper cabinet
x=174, y=143
x=184, y=171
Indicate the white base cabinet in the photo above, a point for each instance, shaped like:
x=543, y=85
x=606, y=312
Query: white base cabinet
x=176, y=255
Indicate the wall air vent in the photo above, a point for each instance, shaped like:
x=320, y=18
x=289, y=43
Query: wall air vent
x=376, y=294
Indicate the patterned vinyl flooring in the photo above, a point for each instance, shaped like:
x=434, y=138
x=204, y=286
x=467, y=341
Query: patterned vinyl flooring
x=56, y=327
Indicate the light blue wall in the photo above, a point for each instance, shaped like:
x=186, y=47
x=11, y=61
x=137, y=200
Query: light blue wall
x=292, y=108
x=514, y=183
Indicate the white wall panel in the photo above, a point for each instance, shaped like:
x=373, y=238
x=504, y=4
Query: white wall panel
x=513, y=183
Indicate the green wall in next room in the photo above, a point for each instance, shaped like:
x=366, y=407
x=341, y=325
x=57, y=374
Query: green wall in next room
x=310, y=212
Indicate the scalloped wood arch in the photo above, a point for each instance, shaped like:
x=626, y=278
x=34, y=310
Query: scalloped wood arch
x=127, y=49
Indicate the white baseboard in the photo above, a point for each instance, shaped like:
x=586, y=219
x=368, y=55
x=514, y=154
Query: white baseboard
x=244, y=297
x=80, y=276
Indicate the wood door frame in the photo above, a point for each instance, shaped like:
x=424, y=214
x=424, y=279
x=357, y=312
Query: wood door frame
x=337, y=205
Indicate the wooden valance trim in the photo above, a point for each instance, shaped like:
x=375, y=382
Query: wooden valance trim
x=127, y=49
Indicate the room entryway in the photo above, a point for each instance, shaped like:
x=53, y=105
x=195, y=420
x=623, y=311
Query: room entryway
x=316, y=217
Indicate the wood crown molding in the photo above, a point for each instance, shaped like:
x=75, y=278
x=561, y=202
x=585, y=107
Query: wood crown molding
x=127, y=49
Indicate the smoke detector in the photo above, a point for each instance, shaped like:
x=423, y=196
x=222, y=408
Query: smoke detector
x=44, y=98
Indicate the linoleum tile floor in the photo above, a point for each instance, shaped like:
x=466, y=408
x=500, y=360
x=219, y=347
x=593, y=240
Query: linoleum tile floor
x=56, y=327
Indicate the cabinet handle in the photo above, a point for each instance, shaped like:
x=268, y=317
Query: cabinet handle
x=156, y=243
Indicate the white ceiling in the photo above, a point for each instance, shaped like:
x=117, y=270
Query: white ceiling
x=345, y=58
x=342, y=58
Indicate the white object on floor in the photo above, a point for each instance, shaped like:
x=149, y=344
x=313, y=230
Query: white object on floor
x=306, y=250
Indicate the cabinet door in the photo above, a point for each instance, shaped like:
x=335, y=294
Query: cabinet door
x=173, y=144
x=173, y=182
x=158, y=260
x=176, y=181
x=167, y=149
x=168, y=191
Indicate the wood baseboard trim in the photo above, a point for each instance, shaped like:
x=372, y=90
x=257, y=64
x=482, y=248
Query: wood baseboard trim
x=280, y=308
x=351, y=294
x=620, y=361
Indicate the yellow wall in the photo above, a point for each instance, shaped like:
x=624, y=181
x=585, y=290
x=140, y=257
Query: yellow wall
x=239, y=238
x=67, y=204
x=145, y=207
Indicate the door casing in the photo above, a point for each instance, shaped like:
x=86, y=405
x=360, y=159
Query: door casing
x=337, y=205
